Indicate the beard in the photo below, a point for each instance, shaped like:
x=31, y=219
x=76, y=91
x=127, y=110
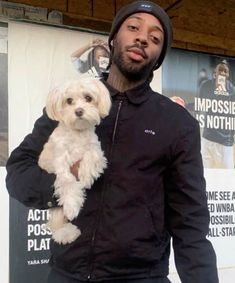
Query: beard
x=133, y=71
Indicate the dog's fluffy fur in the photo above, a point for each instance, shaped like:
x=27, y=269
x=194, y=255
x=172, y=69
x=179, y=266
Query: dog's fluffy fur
x=78, y=106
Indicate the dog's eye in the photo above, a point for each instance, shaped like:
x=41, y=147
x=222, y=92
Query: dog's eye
x=69, y=100
x=88, y=98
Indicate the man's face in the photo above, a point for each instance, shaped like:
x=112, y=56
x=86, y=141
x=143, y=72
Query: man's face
x=222, y=70
x=99, y=52
x=138, y=45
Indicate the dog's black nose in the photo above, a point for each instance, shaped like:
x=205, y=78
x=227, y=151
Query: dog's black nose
x=79, y=112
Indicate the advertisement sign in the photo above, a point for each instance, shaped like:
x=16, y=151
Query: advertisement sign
x=40, y=58
x=205, y=85
x=4, y=207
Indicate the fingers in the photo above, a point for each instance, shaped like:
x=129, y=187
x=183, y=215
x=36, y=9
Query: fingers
x=178, y=100
x=99, y=41
x=74, y=169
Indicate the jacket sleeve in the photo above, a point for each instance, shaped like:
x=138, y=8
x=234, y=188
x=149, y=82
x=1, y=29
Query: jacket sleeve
x=187, y=210
x=25, y=180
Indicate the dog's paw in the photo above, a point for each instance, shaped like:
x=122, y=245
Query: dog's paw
x=67, y=234
x=73, y=202
x=86, y=179
x=70, y=209
x=100, y=165
x=88, y=173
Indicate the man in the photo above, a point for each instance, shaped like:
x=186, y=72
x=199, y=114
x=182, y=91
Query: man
x=202, y=77
x=218, y=140
x=97, y=58
x=153, y=188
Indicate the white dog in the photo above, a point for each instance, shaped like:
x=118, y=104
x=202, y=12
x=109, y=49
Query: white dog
x=78, y=106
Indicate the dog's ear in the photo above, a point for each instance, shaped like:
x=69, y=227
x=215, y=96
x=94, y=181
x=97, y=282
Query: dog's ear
x=54, y=104
x=104, y=100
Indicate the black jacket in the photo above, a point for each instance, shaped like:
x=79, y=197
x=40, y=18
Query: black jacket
x=152, y=190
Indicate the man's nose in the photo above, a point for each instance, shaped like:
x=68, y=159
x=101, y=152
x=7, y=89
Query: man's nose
x=141, y=38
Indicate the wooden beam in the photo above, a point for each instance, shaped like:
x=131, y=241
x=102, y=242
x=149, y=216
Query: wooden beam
x=86, y=22
x=60, y=5
x=104, y=9
x=80, y=7
x=203, y=39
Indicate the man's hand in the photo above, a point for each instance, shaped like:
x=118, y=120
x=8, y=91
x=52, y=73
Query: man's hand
x=99, y=42
x=178, y=100
x=74, y=169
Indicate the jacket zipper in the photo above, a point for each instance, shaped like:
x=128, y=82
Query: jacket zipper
x=102, y=194
x=116, y=121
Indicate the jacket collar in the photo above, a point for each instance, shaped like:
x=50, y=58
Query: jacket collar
x=136, y=95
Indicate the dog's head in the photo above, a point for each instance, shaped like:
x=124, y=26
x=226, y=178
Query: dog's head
x=79, y=104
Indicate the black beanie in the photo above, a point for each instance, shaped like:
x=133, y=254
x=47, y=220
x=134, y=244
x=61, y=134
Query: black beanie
x=145, y=7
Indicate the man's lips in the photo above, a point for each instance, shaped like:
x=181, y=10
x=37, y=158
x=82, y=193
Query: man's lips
x=136, y=53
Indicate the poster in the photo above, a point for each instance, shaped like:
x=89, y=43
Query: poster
x=3, y=95
x=4, y=207
x=40, y=58
x=205, y=85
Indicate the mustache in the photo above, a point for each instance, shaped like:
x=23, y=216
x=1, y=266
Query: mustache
x=140, y=47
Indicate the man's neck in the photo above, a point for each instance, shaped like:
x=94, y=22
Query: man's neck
x=119, y=82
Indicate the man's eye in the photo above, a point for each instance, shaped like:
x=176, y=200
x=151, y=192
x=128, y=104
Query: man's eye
x=131, y=27
x=88, y=98
x=155, y=39
x=69, y=100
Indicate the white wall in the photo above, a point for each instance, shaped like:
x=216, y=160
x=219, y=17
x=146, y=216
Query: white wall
x=33, y=52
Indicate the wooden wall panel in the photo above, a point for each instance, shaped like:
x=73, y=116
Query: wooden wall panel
x=60, y=5
x=207, y=49
x=86, y=22
x=121, y=3
x=197, y=24
x=204, y=19
x=80, y=7
x=104, y=9
x=204, y=39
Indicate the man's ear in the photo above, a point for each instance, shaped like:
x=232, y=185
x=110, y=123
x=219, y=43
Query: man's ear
x=113, y=41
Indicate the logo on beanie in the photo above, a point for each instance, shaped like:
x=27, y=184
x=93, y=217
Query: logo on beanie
x=145, y=6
